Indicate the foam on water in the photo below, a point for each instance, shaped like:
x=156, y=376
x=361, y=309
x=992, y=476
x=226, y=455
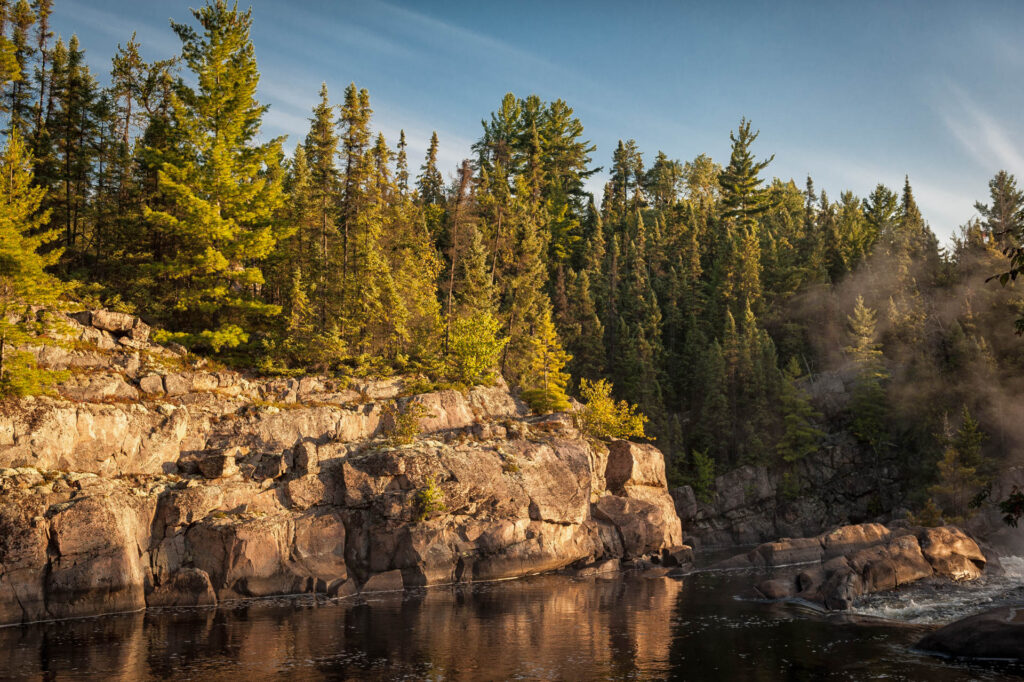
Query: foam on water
x=931, y=603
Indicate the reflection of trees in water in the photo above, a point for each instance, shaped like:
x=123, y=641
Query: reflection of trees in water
x=548, y=626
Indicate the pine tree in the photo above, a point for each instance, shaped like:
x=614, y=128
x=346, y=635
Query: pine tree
x=544, y=381
x=354, y=121
x=402, y=165
x=42, y=10
x=19, y=96
x=881, y=210
x=623, y=188
x=662, y=182
x=959, y=476
x=416, y=267
x=68, y=166
x=800, y=436
x=474, y=349
x=319, y=250
x=968, y=442
x=456, y=245
x=1004, y=217
x=743, y=198
x=430, y=184
x=522, y=283
x=219, y=185
x=587, y=333
x=868, y=403
x=376, y=310
x=24, y=281
x=714, y=426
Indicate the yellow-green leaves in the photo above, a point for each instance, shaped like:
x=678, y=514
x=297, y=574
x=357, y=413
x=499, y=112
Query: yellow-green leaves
x=603, y=417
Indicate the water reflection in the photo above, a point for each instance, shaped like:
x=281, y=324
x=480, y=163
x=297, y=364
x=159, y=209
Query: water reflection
x=548, y=627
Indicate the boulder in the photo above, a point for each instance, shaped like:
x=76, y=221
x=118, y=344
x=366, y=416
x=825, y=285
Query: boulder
x=245, y=557
x=681, y=555
x=153, y=384
x=951, y=553
x=140, y=331
x=388, y=581
x=117, y=323
x=848, y=539
x=187, y=587
x=445, y=410
x=778, y=588
x=861, y=559
x=177, y=384
x=642, y=525
x=219, y=464
x=637, y=471
x=995, y=634
x=790, y=551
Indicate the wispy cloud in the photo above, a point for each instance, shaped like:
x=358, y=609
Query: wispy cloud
x=981, y=134
x=321, y=26
x=157, y=38
x=476, y=45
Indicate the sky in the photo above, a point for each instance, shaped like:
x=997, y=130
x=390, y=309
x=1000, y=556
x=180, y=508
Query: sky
x=851, y=93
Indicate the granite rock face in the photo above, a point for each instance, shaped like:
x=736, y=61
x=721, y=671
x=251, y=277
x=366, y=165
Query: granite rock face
x=199, y=485
x=749, y=504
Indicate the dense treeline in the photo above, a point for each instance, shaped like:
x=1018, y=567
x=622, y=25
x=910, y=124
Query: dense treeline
x=705, y=293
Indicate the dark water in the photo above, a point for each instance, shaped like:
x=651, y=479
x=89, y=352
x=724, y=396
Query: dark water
x=627, y=626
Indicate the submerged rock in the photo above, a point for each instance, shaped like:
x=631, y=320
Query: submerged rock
x=995, y=634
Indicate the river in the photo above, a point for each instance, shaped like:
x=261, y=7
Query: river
x=620, y=626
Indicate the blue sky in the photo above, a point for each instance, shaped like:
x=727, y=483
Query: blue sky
x=852, y=93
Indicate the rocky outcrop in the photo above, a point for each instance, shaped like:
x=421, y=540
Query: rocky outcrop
x=201, y=485
x=751, y=504
x=856, y=560
x=995, y=634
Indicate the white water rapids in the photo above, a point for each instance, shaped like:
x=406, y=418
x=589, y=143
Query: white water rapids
x=935, y=603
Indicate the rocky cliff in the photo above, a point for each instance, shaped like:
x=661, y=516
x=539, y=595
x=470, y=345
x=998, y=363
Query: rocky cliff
x=154, y=479
x=750, y=504
x=839, y=484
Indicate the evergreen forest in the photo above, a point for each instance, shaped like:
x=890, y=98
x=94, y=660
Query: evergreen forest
x=719, y=302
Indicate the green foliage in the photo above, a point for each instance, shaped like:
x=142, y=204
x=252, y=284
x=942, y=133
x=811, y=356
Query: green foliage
x=959, y=481
x=474, y=349
x=743, y=198
x=800, y=436
x=928, y=516
x=1013, y=507
x=429, y=500
x=402, y=424
x=682, y=289
x=602, y=417
x=703, y=478
x=791, y=486
x=219, y=191
x=24, y=281
x=868, y=404
x=544, y=383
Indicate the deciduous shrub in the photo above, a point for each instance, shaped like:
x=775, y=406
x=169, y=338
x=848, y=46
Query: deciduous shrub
x=602, y=417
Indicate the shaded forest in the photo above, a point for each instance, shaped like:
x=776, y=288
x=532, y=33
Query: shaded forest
x=710, y=295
